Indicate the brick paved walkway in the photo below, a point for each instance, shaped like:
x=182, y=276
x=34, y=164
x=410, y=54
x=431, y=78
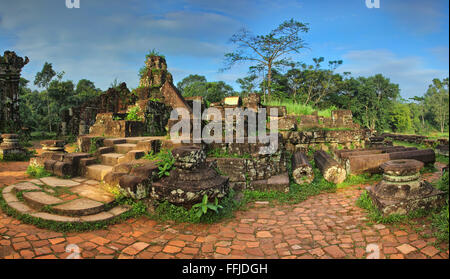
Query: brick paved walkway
x=329, y=225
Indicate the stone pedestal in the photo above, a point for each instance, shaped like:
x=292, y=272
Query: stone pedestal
x=53, y=145
x=402, y=190
x=10, y=146
x=190, y=180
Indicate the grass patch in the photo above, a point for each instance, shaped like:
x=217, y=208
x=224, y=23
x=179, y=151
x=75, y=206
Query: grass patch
x=37, y=171
x=360, y=179
x=301, y=109
x=297, y=193
x=220, y=153
x=166, y=211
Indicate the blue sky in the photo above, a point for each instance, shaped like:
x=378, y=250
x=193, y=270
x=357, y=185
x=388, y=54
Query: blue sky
x=405, y=40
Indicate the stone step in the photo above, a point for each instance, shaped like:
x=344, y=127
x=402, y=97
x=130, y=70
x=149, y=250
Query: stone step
x=111, y=159
x=38, y=200
x=114, y=141
x=124, y=147
x=98, y=172
x=75, y=211
x=79, y=207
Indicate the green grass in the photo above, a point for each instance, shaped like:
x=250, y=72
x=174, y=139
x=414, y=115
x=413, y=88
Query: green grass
x=39, y=135
x=297, y=193
x=16, y=157
x=166, y=211
x=300, y=109
x=37, y=171
x=220, y=153
x=360, y=179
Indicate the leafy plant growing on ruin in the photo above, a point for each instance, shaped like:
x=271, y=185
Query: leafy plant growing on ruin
x=202, y=208
x=37, y=171
x=164, y=160
x=93, y=147
x=133, y=114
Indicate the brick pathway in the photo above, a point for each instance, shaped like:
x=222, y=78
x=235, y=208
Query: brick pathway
x=329, y=225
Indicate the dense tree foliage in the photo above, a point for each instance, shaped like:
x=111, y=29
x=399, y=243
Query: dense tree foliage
x=196, y=85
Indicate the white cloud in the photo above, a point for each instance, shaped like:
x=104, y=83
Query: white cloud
x=104, y=44
x=409, y=72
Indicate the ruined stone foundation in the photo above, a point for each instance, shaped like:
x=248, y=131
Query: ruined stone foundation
x=402, y=190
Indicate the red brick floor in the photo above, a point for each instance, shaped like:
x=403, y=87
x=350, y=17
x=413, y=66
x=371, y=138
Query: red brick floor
x=325, y=226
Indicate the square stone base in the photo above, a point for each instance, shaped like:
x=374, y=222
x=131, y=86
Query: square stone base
x=435, y=199
x=6, y=152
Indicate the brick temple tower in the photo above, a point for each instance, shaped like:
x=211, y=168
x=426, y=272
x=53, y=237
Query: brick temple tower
x=10, y=67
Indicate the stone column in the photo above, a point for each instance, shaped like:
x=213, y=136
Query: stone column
x=10, y=67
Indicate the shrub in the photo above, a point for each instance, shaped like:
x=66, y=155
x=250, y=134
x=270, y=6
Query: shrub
x=37, y=171
x=133, y=114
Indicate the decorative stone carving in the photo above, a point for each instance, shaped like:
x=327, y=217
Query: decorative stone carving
x=10, y=67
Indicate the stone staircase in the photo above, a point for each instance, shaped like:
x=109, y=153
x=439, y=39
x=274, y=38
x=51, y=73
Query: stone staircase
x=118, y=151
x=63, y=200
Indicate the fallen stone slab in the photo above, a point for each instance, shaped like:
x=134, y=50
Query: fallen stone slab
x=338, y=153
x=302, y=171
x=275, y=183
x=344, y=156
x=331, y=170
x=371, y=163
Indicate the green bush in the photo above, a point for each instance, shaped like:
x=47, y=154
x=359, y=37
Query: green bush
x=164, y=160
x=37, y=171
x=166, y=211
x=440, y=222
x=133, y=114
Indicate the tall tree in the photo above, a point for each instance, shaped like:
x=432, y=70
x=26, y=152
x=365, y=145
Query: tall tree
x=437, y=99
x=247, y=84
x=189, y=80
x=269, y=50
x=42, y=80
x=371, y=100
x=420, y=108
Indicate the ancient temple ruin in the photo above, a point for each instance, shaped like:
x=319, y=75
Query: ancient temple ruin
x=10, y=67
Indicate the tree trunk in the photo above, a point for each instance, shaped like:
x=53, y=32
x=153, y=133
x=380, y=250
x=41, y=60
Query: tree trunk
x=269, y=79
x=48, y=113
